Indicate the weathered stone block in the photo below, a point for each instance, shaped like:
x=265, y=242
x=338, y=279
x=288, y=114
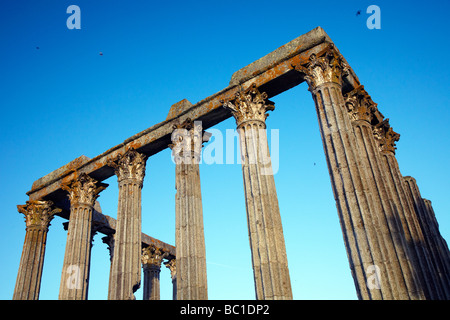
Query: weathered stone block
x=178, y=108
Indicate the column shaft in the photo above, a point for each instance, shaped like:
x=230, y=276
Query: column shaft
x=269, y=259
x=125, y=274
x=151, y=282
x=441, y=279
x=412, y=233
x=367, y=233
x=151, y=263
x=38, y=215
x=399, y=275
x=172, y=265
x=264, y=221
x=394, y=246
x=350, y=191
x=441, y=244
x=189, y=232
x=75, y=273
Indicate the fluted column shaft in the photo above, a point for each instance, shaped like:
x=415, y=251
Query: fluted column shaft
x=373, y=261
x=151, y=282
x=442, y=244
x=442, y=278
x=410, y=227
x=38, y=215
x=189, y=231
x=385, y=222
x=269, y=259
x=125, y=276
x=395, y=252
x=172, y=265
x=346, y=179
x=151, y=263
x=83, y=192
x=348, y=188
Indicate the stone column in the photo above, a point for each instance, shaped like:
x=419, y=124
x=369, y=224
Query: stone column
x=437, y=261
x=83, y=192
x=151, y=263
x=109, y=241
x=269, y=260
x=189, y=234
x=440, y=241
x=394, y=243
x=125, y=276
x=38, y=215
x=386, y=138
x=373, y=263
x=172, y=265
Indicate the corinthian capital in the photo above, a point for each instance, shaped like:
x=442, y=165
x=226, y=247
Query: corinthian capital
x=385, y=136
x=172, y=265
x=130, y=165
x=249, y=105
x=187, y=140
x=325, y=67
x=38, y=214
x=360, y=105
x=152, y=256
x=84, y=190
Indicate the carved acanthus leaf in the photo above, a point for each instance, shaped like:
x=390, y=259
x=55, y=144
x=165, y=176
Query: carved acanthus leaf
x=386, y=136
x=38, y=213
x=249, y=105
x=360, y=105
x=84, y=190
x=172, y=265
x=130, y=165
x=153, y=256
x=187, y=140
x=324, y=67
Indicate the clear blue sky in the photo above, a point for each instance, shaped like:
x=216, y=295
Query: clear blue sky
x=64, y=100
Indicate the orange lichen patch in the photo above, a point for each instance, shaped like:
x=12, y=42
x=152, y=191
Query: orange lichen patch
x=69, y=178
x=98, y=165
x=64, y=170
x=178, y=108
x=134, y=145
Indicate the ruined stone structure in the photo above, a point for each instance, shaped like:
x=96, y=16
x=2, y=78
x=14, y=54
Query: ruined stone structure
x=390, y=232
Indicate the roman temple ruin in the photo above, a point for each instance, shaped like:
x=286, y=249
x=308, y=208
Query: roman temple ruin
x=388, y=229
